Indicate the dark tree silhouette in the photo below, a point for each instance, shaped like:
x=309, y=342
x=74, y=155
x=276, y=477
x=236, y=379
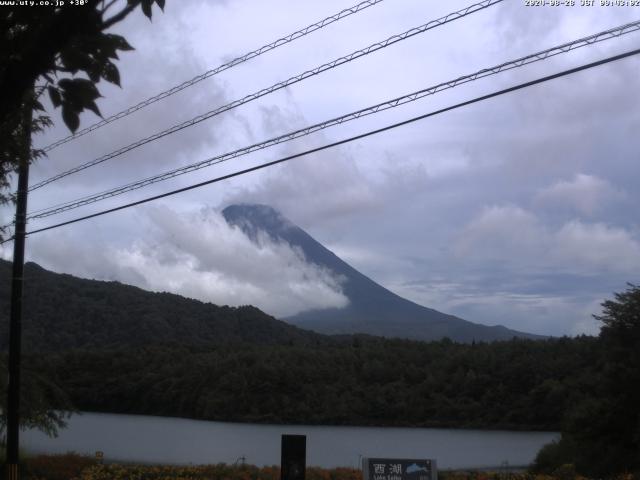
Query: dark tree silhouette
x=63, y=51
x=601, y=434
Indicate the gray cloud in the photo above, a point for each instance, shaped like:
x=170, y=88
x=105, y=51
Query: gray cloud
x=196, y=254
x=518, y=240
x=584, y=194
x=520, y=210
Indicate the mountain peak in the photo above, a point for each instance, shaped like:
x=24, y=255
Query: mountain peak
x=254, y=217
x=372, y=308
x=250, y=209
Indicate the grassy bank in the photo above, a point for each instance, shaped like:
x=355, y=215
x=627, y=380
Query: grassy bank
x=78, y=467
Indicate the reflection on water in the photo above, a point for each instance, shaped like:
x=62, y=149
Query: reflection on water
x=180, y=441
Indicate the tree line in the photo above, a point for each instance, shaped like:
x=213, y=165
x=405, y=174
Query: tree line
x=520, y=384
x=108, y=347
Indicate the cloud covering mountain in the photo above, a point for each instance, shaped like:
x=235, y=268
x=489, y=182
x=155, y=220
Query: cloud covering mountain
x=371, y=308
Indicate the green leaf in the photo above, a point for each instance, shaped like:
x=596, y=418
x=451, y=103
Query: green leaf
x=93, y=72
x=79, y=88
x=38, y=106
x=94, y=108
x=118, y=41
x=110, y=73
x=146, y=7
x=74, y=59
x=78, y=94
x=108, y=49
x=65, y=82
x=70, y=118
x=54, y=95
x=160, y=4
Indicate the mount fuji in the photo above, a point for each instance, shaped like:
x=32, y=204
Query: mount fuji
x=372, y=309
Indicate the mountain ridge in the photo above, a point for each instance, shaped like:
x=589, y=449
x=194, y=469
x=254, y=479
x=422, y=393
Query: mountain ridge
x=62, y=312
x=372, y=308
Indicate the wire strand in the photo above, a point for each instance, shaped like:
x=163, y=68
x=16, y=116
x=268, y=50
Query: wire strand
x=210, y=73
x=347, y=140
x=278, y=86
x=505, y=66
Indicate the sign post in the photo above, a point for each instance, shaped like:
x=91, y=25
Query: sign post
x=293, y=462
x=399, y=469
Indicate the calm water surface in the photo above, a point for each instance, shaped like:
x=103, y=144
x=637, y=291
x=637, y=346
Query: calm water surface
x=180, y=441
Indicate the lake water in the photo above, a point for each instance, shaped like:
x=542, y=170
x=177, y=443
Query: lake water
x=181, y=441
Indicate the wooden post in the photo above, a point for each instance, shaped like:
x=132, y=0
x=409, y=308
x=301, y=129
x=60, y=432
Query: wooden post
x=15, y=322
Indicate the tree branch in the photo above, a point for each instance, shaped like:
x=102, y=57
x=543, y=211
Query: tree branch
x=118, y=17
x=107, y=6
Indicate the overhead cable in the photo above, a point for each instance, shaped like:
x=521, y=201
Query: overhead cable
x=347, y=140
x=519, y=62
x=278, y=86
x=210, y=73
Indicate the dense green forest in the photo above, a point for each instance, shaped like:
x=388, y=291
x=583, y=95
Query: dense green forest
x=64, y=312
x=108, y=347
x=521, y=384
x=601, y=431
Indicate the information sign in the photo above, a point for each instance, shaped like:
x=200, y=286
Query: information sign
x=399, y=469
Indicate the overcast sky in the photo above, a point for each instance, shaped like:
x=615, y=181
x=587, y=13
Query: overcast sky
x=521, y=210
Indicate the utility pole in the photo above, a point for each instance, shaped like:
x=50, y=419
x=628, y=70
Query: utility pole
x=15, y=322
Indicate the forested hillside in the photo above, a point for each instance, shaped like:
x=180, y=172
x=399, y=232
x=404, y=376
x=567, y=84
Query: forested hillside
x=521, y=384
x=108, y=347
x=65, y=312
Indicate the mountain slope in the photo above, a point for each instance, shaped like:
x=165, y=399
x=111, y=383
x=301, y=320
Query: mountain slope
x=372, y=308
x=63, y=312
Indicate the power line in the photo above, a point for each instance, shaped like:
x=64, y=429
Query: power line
x=280, y=85
x=535, y=57
x=210, y=73
x=347, y=140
